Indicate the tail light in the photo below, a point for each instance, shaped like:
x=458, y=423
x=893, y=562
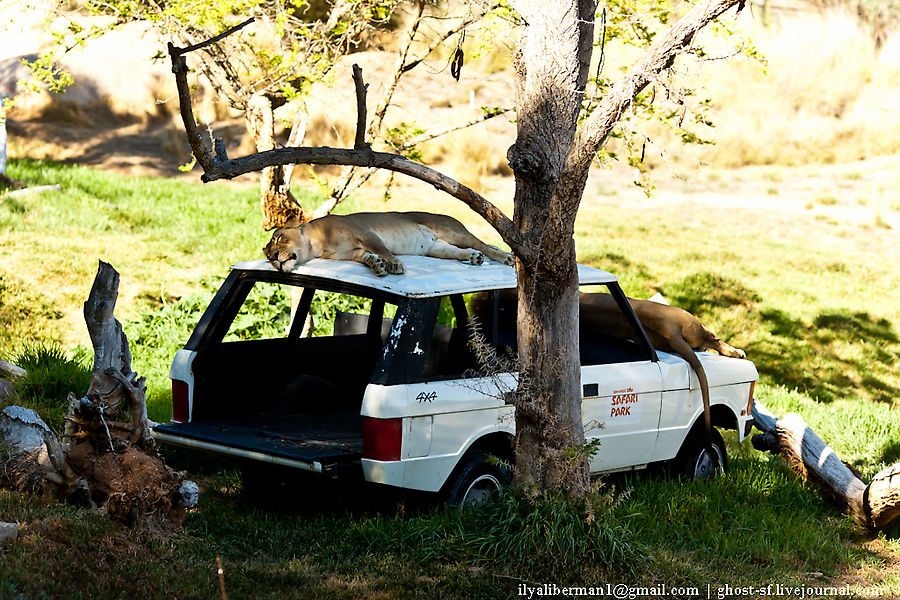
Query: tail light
x=750, y=399
x=382, y=438
x=181, y=410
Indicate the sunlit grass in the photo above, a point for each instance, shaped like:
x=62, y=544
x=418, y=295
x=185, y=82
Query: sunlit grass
x=815, y=311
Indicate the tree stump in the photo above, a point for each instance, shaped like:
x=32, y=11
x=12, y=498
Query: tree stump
x=105, y=457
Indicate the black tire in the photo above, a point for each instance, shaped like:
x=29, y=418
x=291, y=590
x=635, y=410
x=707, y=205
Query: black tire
x=477, y=479
x=694, y=461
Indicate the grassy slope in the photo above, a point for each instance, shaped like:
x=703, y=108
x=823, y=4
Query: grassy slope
x=815, y=305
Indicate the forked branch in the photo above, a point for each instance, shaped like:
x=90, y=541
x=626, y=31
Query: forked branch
x=218, y=166
x=619, y=97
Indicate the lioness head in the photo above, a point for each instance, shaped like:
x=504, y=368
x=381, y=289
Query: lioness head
x=289, y=246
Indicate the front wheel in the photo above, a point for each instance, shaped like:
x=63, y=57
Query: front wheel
x=478, y=479
x=697, y=463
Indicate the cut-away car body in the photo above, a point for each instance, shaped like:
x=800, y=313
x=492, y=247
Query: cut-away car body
x=390, y=389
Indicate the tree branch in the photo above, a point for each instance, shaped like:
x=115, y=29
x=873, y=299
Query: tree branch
x=216, y=38
x=369, y=158
x=194, y=138
x=216, y=168
x=434, y=134
x=361, y=87
x=382, y=107
x=596, y=128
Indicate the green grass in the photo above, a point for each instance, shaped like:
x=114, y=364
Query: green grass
x=51, y=376
x=816, y=308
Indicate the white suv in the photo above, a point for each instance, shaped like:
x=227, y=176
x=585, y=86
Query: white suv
x=392, y=399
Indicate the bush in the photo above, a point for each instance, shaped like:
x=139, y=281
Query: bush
x=51, y=376
x=553, y=537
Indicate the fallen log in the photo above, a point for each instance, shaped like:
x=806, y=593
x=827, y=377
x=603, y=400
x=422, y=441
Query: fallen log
x=874, y=505
x=12, y=370
x=105, y=457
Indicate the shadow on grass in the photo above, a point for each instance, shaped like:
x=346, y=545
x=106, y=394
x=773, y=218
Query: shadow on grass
x=703, y=292
x=890, y=453
x=840, y=353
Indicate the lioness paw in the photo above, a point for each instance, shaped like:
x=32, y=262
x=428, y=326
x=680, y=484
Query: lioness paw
x=737, y=353
x=394, y=266
x=376, y=263
x=379, y=267
x=509, y=259
x=475, y=258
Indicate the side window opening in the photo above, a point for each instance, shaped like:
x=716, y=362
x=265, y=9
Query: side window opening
x=270, y=311
x=606, y=334
x=264, y=366
x=265, y=314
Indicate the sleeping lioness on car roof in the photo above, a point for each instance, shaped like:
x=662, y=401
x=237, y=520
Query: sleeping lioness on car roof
x=375, y=239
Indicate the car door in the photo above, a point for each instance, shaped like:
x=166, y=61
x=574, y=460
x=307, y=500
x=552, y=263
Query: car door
x=621, y=409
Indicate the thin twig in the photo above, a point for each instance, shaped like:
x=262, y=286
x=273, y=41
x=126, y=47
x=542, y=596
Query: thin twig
x=216, y=38
x=431, y=135
x=361, y=87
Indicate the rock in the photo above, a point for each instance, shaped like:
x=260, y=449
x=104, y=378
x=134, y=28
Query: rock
x=188, y=494
x=22, y=428
x=8, y=531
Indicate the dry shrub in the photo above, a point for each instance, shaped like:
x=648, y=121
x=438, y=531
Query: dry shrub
x=469, y=155
x=826, y=95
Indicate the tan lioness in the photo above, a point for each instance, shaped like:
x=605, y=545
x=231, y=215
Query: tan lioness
x=375, y=238
x=669, y=328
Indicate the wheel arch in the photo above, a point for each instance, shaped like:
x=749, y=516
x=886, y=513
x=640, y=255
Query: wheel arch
x=496, y=443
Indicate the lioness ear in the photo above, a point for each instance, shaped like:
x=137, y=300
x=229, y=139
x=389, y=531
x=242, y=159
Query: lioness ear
x=293, y=222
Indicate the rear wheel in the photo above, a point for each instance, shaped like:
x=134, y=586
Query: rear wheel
x=478, y=479
x=696, y=462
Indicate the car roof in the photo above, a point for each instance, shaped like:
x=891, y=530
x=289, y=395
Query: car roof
x=425, y=277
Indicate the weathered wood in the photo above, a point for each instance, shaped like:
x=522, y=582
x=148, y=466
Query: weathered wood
x=100, y=461
x=875, y=505
x=12, y=370
x=111, y=352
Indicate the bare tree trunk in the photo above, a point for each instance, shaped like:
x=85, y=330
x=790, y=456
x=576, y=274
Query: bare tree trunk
x=548, y=408
x=875, y=505
x=551, y=77
x=276, y=201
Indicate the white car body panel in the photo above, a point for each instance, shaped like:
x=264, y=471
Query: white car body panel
x=624, y=414
x=642, y=413
x=181, y=370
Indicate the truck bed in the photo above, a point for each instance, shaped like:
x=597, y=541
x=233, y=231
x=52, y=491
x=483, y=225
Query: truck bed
x=323, y=438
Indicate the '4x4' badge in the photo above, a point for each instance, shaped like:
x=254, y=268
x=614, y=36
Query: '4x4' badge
x=426, y=397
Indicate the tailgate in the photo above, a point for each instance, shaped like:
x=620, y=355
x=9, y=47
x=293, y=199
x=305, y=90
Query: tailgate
x=309, y=442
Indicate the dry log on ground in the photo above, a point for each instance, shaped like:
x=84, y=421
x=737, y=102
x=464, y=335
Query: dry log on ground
x=11, y=370
x=874, y=505
x=106, y=457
